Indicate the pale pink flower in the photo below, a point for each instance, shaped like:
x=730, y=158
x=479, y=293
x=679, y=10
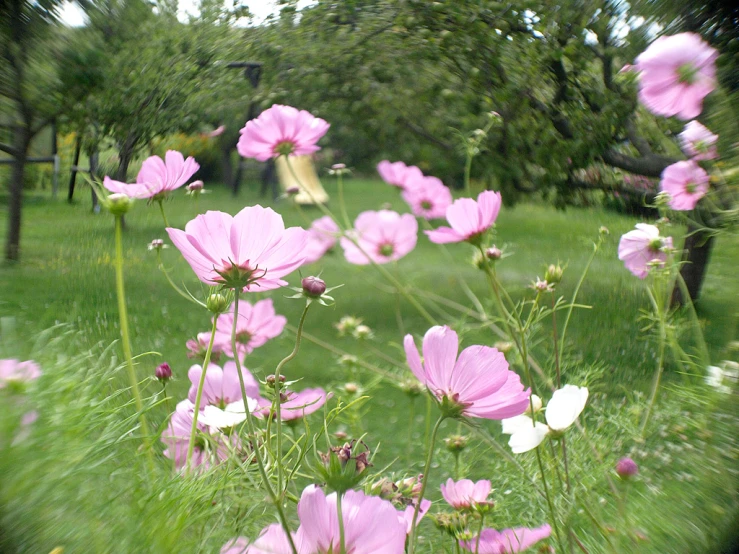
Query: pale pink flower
x=322, y=237
x=281, y=130
x=382, y=237
x=468, y=218
x=398, y=174
x=251, y=249
x=675, y=74
x=177, y=439
x=686, y=182
x=298, y=404
x=427, y=197
x=465, y=494
x=198, y=347
x=479, y=383
x=13, y=371
x=239, y=545
x=371, y=526
x=698, y=142
x=508, y=541
x=641, y=247
x=256, y=325
x=157, y=177
x=406, y=515
x=222, y=386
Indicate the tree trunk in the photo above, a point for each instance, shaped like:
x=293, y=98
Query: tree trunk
x=125, y=156
x=697, y=251
x=15, y=204
x=227, y=171
x=75, y=163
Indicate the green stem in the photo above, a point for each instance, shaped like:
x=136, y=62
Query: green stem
x=161, y=209
x=340, y=513
x=199, y=395
x=424, y=482
x=252, y=432
x=706, y=361
x=479, y=533
x=411, y=416
x=278, y=410
x=467, y=171
x=554, y=338
x=342, y=204
x=552, y=513
x=172, y=284
x=125, y=336
x=596, y=247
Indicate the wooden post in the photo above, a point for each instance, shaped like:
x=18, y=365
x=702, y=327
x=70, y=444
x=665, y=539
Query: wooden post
x=75, y=163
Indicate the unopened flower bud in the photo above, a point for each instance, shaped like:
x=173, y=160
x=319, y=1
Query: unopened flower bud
x=118, y=203
x=536, y=401
x=542, y=286
x=163, y=372
x=626, y=468
x=493, y=253
x=271, y=380
x=156, y=244
x=217, y=303
x=553, y=274
x=347, y=324
x=456, y=443
x=313, y=286
x=604, y=230
x=351, y=388
x=504, y=346
x=495, y=116
x=662, y=199
x=195, y=188
x=348, y=360
x=341, y=435
x=293, y=190
x=362, y=332
x=412, y=387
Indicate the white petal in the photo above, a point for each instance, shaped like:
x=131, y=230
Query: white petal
x=514, y=424
x=528, y=438
x=565, y=406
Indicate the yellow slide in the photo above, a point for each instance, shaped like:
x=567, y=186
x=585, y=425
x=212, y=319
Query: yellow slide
x=311, y=191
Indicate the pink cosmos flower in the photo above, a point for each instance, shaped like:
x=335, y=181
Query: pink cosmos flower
x=198, y=346
x=698, y=142
x=382, y=236
x=427, y=197
x=686, y=182
x=221, y=386
x=641, y=247
x=13, y=371
x=398, y=174
x=298, y=404
x=239, y=546
x=507, y=541
x=675, y=74
x=322, y=237
x=157, y=177
x=281, y=130
x=251, y=249
x=177, y=438
x=464, y=494
x=406, y=515
x=256, y=325
x=479, y=383
x=371, y=526
x=468, y=218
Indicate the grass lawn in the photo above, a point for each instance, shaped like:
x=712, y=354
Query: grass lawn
x=680, y=503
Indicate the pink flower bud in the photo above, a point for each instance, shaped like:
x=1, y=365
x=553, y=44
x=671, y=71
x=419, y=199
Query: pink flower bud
x=493, y=253
x=313, y=286
x=626, y=468
x=163, y=372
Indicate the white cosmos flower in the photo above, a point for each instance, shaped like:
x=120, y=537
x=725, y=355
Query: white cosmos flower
x=562, y=410
x=536, y=401
x=233, y=414
x=525, y=434
x=565, y=406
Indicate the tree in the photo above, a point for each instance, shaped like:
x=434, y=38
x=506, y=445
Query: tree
x=31, y=92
